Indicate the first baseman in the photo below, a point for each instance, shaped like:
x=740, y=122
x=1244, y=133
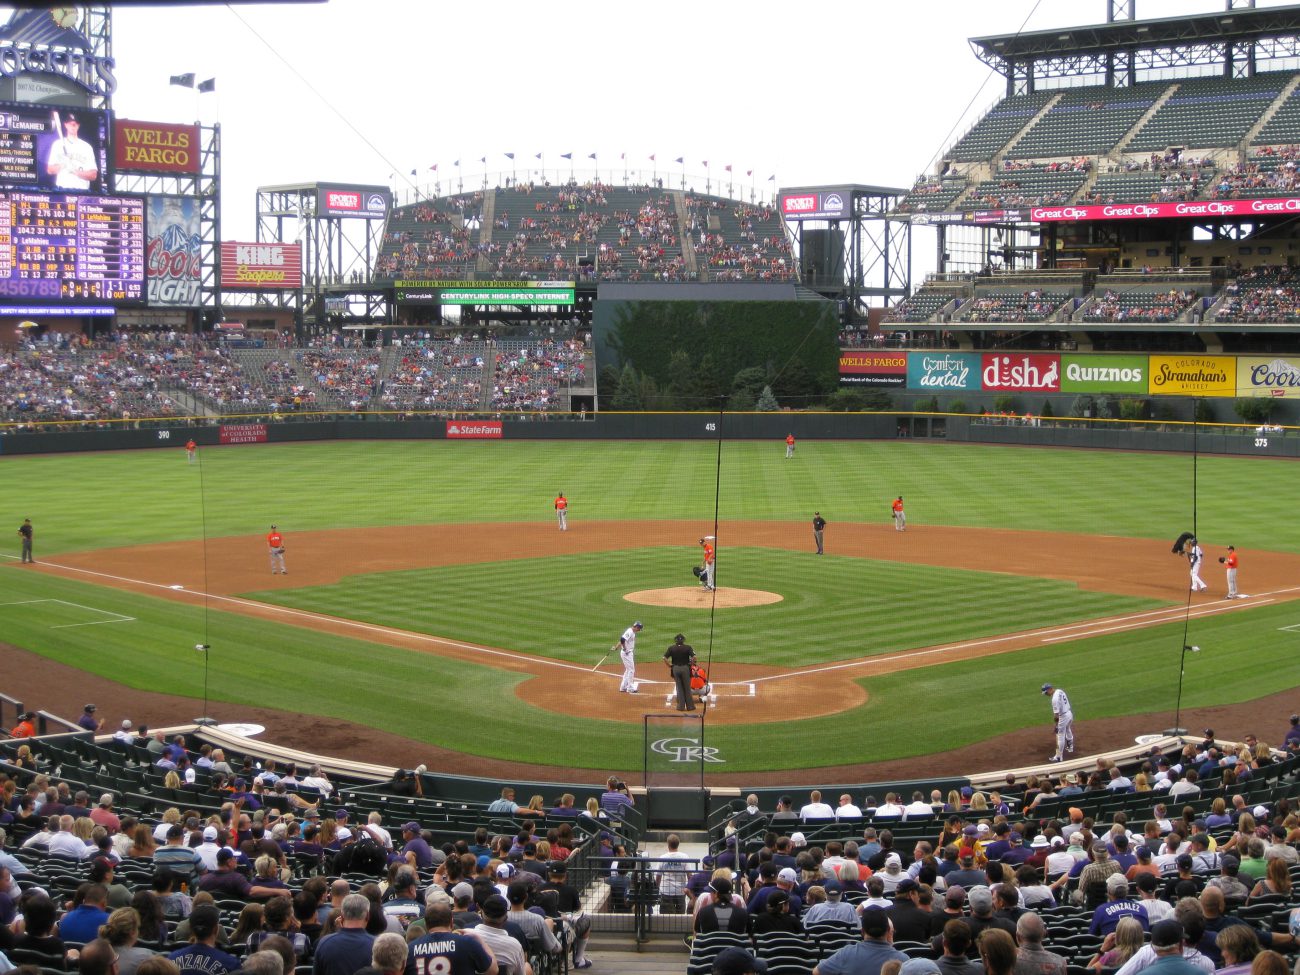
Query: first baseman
x=275, y=544
x=627, y=653
x=1062, y=722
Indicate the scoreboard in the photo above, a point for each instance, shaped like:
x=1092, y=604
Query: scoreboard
x=72, y=247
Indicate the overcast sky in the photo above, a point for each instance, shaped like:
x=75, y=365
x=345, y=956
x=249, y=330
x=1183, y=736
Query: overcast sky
x=367, y=90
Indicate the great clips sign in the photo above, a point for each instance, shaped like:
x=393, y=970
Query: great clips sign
x=1186, y=209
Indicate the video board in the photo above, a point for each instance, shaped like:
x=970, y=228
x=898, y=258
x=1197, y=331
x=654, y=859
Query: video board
x=71, y=247
x=54, y=147
x=484, y=292
x=339, y=200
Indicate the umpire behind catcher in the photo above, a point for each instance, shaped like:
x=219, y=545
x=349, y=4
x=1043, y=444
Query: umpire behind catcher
x=679, y=658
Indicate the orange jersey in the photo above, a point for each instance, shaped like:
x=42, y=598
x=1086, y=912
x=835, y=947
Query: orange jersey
x=274, y=540
x=898, y=506
x=789, y=440
x=561, y=503
x=708, y=553
x=1231, y=560
x=190, y=446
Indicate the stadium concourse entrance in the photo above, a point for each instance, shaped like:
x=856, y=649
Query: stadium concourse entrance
x=674, y=755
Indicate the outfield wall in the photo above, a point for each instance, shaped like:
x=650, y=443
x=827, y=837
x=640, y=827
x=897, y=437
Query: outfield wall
x=956, y=428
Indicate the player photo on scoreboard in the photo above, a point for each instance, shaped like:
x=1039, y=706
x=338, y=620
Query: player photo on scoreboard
x=53, y=147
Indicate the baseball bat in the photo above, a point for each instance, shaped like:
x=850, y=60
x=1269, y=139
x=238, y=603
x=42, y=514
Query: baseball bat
x=602, y=660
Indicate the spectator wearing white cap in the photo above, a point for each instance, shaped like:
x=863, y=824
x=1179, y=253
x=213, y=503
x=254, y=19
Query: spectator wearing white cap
x=1060, y=860
x=207, y=850
x=892, y=874
x=124, y=737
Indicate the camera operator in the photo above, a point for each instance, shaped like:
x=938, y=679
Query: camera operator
x=616, y=797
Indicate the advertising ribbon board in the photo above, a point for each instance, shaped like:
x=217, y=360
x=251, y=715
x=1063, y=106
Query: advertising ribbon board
x=943, y=371
x=1021, y=372
x=859, y=368
x=1104, y=374
x=473, y=429
x=243, y=433
x=1192, y=375
x=1275, y=376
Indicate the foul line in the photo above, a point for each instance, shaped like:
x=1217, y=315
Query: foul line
x=321, y=617
x=1169, y=614
x=88, y=609
x=1193, y=614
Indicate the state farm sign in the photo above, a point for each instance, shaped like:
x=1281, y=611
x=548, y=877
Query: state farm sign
x=1019, y=371
x=473, y=429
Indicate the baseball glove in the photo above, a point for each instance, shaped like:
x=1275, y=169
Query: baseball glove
x=280, y=550
x=1222, y=560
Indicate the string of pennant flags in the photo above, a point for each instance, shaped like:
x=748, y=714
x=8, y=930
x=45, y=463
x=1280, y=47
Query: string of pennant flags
x=680, y=160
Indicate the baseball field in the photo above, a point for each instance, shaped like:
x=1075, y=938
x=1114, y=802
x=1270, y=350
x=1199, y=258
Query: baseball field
x=431, y=597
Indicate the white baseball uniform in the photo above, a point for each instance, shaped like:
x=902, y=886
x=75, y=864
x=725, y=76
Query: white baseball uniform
x=72, y=156
x=1064, y=722
x=1196, y=557
x=627, y=652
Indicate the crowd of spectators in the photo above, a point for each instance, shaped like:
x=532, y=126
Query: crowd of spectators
x=125, y=375
x=1269, y=294
x=1156, y=307
x=448, y=375
x=342, y=378
x=1253, y=178
x=1034, y=305
x=530, y=376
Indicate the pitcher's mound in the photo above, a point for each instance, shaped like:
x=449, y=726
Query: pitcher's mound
x=693, y=597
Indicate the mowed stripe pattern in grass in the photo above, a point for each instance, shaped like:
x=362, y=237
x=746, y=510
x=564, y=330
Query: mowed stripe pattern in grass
x=472, y=708
x=834, y=608
x=89, y=501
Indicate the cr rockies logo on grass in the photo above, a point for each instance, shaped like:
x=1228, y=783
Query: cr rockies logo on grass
x=685, y=750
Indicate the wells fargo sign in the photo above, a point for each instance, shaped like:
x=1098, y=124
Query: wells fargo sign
x=155, y=147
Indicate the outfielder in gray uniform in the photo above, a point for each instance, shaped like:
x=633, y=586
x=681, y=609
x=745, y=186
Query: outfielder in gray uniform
x=627, y=653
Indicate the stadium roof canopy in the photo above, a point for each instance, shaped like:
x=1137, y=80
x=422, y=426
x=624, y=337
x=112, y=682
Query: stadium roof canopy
x=1164, y=42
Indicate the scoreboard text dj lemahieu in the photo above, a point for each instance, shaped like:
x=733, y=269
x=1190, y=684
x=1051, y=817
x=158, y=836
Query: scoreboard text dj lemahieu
x=71, y=247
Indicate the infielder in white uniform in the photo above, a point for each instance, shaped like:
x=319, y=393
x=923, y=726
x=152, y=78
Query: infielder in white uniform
x=627, y=652
x=1196, y=555
x=1062, y=722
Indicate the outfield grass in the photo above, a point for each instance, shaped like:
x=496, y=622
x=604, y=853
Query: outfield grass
x=572, y=607
x=87, y=501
